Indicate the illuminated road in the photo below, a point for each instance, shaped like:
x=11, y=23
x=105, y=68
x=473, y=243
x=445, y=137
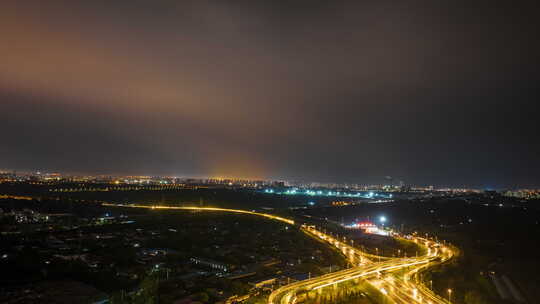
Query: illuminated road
x=401, y=289
x=405, y=288
x=396, y=289
x=288, y=293
x=273, y=217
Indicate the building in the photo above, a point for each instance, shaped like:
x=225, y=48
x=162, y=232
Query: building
x=209, y=263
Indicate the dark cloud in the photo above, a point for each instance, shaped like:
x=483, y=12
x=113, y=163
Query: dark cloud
x=441, y=93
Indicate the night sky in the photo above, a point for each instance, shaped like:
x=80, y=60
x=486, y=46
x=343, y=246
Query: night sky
x=429, y=92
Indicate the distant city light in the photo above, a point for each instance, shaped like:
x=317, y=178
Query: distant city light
x=297, y=191
x=382, y=219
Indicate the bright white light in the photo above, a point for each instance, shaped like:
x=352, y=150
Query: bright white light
x=382, y=219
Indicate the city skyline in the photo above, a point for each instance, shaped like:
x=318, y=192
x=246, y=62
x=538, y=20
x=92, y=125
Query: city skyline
x=384, y=183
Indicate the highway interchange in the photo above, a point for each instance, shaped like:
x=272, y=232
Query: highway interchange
x=398, y=288
x=396, y=278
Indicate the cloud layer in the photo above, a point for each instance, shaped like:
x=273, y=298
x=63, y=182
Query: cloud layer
x=315, y=90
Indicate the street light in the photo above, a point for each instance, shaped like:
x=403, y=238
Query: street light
x=449, y=295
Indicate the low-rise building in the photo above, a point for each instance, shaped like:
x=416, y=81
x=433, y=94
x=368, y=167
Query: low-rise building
x=210, y=263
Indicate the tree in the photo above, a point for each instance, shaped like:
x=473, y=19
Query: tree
x=149, y=288
x=202, y=297
x=239, y=288
x=474, y=297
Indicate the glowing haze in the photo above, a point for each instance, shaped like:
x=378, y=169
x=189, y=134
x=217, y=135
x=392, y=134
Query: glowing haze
x=313, y=90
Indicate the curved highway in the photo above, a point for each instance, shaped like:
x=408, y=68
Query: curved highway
x=398, y=289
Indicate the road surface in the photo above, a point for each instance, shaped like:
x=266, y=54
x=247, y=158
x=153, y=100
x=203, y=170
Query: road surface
x=398, y=289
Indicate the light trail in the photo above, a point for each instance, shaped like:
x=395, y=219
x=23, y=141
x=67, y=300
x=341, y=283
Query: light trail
x=406, y=293
x=270, y=216
x=378, y=270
